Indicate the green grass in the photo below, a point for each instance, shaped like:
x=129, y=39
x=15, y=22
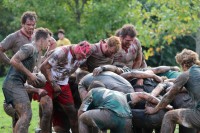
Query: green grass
x=6, y=121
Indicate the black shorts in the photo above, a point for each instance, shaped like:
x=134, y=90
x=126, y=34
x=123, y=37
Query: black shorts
x=182, y=100
x=142, y=120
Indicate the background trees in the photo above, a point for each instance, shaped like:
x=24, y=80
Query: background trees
x=164, y=27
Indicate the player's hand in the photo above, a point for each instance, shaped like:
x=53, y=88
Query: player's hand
x=169, y=107
x=32, y=79
x=158, y=78
x=97, y=71
x=150, y=110
x=56, y=88
x=42, y=92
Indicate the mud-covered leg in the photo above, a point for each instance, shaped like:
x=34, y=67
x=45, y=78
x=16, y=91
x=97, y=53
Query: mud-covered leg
x=85, y=122
x=8, y=108
x=169, y=122
x=25, y=114
x=46, y=108
x=178, y=116
x=71, y=112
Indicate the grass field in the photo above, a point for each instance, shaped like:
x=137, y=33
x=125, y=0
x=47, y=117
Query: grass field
x=5, y=120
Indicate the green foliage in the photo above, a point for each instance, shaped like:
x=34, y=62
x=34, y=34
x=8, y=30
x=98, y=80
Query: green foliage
x=165, y=55
x=173, y=18
x=102, y=19
x=164, y=22
x=105, y=18
x=5, y=21
x=158, y=23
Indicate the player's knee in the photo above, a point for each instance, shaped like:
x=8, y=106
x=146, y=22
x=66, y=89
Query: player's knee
x=26, y=118
x=170, y=116
x=85, y=118
x=46, y=103
x=82, y=117
x=47, y=112
x=9, y=110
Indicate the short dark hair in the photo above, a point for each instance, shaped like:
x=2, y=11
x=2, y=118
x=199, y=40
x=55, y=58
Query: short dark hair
x=61, y=31
x=41, y=33
x=28, y=15
x=128, y=29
